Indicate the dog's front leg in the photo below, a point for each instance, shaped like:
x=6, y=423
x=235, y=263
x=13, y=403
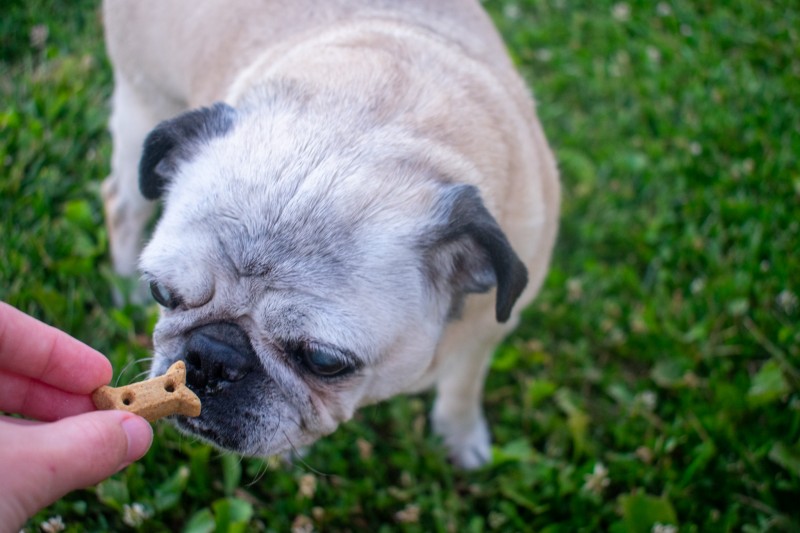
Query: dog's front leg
x=127, y=212
x=457, y=413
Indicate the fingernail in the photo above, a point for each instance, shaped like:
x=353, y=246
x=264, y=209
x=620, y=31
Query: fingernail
x=140, y=436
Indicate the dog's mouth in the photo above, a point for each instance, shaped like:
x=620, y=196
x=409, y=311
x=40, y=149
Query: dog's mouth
x=223, y=370
x=228, y=418
x=199, y=427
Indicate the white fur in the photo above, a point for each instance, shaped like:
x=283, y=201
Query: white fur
x=350, y=123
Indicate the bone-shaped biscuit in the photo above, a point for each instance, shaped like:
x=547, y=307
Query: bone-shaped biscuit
x=152, y=399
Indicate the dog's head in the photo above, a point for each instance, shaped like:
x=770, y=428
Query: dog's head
x=307, y=260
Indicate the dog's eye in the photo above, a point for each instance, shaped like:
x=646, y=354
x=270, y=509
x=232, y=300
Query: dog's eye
x=163, y=295
x=325, y=362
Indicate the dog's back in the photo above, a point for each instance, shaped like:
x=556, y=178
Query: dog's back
x=177, y=44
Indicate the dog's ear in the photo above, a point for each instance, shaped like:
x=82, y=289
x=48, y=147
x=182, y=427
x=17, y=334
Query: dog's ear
x=470, y=253
x=176, y=140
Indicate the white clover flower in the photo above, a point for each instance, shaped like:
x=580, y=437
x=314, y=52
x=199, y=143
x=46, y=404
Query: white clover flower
x=53, y=525
x=308, y=486
x=644, y=454
x=135, y=514
x=621, y=12
x=497, y=520
x=574, y=289
x=697, y=286
x=598, y=480
x=408, y=515
x=512, y=11
x=663, y=9
x=544, y=55
x=302, y=524
x=38, y=36
x=364, y=449
x=647, y=399
x=786, y=300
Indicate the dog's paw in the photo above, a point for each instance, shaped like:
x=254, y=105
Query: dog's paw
x=468, y=445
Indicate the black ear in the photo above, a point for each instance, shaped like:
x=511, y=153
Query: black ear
x=176, y=140
x=472, y=254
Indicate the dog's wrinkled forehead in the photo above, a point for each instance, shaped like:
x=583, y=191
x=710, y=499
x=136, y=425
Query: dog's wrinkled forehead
x=276, y=189
x=280, y=197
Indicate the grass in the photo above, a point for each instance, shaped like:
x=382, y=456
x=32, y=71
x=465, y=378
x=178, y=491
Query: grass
x=655, y=381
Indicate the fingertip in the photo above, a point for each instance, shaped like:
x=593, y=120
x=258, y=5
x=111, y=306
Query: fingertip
x=106, y=370
x=140, y=436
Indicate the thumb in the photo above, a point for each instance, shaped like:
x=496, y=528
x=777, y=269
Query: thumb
x=43, y=462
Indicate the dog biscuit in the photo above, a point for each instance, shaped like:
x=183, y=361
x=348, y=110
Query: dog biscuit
x=154, y=398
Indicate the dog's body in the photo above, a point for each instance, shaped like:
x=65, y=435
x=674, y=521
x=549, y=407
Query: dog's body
x=374, y=162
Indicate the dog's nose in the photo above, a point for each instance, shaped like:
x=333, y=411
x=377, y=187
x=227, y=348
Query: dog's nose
x=217, y=354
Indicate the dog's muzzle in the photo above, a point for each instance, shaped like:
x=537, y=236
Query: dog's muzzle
x=217, y=355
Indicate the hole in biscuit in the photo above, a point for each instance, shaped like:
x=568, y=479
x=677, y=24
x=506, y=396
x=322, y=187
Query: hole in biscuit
x=169, y=387
x=127, y=400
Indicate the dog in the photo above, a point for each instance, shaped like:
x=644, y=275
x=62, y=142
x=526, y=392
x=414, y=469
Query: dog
x=357, y=201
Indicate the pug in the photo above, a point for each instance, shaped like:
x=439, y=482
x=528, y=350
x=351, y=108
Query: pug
x=357, y=201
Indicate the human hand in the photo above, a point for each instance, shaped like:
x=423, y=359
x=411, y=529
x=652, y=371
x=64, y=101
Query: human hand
x=49, y=376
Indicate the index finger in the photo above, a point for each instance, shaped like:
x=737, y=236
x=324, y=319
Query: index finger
x=33, y=349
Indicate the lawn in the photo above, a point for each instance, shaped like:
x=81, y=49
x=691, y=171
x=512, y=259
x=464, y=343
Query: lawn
x=653, y=386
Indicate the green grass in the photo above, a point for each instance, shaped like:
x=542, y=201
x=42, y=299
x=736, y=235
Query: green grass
x=663, y=354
